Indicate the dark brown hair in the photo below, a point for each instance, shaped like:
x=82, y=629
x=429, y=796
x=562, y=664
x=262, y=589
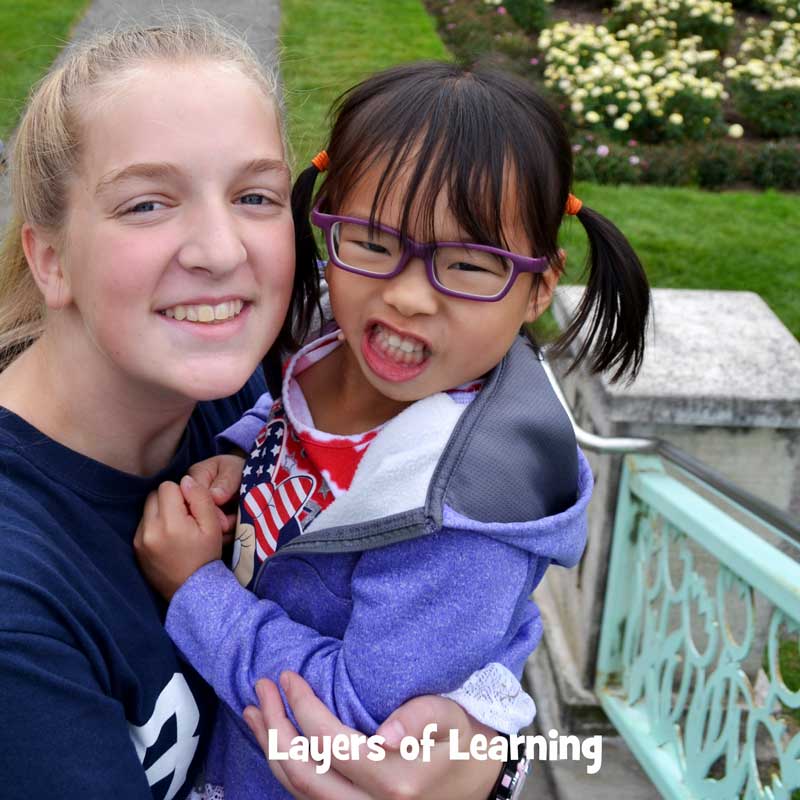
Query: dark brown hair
x=467, y=133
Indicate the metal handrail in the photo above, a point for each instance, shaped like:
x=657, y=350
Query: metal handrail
x=769, y=513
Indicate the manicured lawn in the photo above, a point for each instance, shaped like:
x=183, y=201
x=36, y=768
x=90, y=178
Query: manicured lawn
x=328, y=46
x=686, y=238
x=31, y=34
x=690, y=239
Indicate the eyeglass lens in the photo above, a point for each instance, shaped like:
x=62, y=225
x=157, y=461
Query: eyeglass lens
x=458, y=269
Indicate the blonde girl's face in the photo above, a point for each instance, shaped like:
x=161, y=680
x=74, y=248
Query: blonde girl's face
x=405, y=338
x=179, y=255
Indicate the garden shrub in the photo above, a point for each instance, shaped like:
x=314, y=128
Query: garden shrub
x=531, y=15
x=711, y=20
x=765, y=84
x=652, y=98
x=717, y=166
x=778, y=166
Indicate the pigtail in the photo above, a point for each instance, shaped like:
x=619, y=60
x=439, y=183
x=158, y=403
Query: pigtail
x=305, y=244
x=615, y=305
x=304, y=306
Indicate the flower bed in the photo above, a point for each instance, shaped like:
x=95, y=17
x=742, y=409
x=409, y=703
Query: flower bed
x=766, y=80
x=653, y=97
x=660, y=72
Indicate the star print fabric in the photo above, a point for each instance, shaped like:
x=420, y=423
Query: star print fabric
x=294, y=471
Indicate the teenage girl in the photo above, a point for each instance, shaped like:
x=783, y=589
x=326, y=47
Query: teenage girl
x=148, y=172
x=417, y=475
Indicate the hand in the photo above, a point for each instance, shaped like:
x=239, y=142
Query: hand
x=180, y=531
x=392, y=778
x=221, y=475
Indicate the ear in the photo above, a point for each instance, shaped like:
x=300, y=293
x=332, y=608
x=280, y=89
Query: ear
x=541, y=295
x=44, y=260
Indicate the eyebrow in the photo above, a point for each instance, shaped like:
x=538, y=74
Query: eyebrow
x=153, y=170
x=267, y=165
x=156, y=170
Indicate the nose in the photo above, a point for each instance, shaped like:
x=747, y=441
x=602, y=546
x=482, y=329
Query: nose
x=213, y=243
x=410, y=292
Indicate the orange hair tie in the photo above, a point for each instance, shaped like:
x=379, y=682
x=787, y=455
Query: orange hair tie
x=321, y=161
x=573, y=205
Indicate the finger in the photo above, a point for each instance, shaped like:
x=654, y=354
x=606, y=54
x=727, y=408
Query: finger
x=204, y=472
x=412, y=718
x=302, y=777
x=171, y=506
x=256, y=719
x=149, y=516
x=222, y=519
x=150, y=511
x=201, y=505
x=311, y=713
x=228, y=478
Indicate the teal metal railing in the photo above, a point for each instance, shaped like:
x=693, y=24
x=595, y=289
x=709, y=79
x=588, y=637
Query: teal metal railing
x=698, y=609
x=701, y=609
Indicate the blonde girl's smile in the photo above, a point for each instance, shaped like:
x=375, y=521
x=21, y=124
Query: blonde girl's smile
x=179, y=257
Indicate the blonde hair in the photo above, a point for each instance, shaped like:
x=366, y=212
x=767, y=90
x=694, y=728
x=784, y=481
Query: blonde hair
x=46, y=148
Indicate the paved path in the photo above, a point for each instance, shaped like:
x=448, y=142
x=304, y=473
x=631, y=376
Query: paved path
x=257, y=20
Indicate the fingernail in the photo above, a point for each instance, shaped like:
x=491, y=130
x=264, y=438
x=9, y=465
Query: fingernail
x=187, y=481
x=393, y=732
x=248, y=712
x=286, y=681
x=217, y=490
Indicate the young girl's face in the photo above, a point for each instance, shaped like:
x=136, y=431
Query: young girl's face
x=179, y=256
x=409, y=339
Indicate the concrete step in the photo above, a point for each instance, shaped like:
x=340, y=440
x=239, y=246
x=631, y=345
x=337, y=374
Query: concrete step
x=619, y=778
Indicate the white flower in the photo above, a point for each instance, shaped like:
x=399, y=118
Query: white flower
x=621, y=124
x=592, y=117
x=736, y=131
x=675, y=118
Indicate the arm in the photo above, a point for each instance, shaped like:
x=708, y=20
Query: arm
x=244, y=431
x=426, y=614
x=366, y=780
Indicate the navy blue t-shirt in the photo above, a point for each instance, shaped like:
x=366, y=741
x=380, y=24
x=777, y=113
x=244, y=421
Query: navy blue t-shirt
x=94, y=701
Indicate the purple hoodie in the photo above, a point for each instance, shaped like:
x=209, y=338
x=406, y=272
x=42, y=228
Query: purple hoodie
x=415, y=579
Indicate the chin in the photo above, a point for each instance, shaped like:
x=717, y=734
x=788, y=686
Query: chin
x=215, y=386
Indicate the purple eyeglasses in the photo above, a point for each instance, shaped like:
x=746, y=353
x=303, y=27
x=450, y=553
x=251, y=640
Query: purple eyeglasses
x=458, y=269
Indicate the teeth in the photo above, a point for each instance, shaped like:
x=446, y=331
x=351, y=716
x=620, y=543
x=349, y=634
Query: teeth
x=399, y=348
x=204, y=312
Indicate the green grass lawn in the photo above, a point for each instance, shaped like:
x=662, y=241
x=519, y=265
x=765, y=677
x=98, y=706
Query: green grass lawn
x=686, y=238
x=31, y=34
x=690, y=239
x=328, y=46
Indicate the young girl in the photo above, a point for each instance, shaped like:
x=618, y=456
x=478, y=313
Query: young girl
x=147, y=172
x=417, y=476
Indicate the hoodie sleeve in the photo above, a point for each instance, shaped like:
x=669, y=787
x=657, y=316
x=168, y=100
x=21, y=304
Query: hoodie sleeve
x=243, y=432
x=426, y=614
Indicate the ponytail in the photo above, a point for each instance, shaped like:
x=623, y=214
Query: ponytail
x=21, y=303
x=306, y=291
x=615, y=305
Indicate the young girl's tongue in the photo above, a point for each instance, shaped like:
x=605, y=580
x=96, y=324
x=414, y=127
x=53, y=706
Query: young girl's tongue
x=391, y=356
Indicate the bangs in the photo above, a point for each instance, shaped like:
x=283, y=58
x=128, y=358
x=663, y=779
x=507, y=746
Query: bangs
x=439, y=128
